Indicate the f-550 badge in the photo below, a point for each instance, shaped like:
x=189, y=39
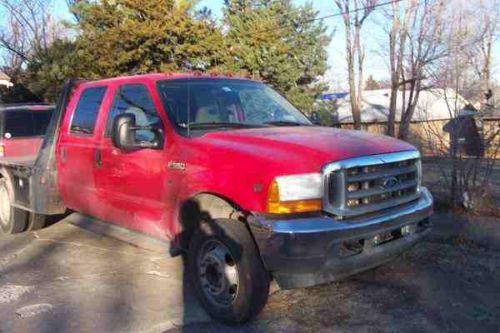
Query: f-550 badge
x=177, y=165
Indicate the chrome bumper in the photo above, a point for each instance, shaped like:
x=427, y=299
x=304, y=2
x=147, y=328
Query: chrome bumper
x=303, y=252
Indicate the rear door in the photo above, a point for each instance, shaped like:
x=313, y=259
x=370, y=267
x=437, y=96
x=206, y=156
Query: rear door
x=131, y=184
x=76, y=151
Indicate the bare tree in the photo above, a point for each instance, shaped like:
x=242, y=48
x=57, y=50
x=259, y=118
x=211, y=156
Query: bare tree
x=469, y=41
x=400, y=18
x=15, y=45
x=469, y=156
x=354, y=17
x=488, y=35
x=424, y=48
x=30, y=30
x=480, y=52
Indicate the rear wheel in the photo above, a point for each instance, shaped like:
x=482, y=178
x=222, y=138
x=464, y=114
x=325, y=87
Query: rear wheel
x=12, y=220
x=226, y=270
x=36, y=221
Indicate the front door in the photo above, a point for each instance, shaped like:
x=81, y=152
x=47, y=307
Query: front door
x=131, y=185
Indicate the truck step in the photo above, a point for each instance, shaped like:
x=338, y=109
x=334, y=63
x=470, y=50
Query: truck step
x=134, y=238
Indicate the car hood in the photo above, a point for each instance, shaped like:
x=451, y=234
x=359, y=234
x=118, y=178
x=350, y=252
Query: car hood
x=310, y=145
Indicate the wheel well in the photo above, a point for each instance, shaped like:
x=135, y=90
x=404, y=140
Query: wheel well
x=205, y=207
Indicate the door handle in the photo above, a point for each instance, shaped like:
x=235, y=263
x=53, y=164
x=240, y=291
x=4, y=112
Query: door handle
x=63, y=154
x=98, y=158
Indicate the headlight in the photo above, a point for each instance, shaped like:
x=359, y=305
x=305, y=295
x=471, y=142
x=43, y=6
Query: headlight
x=295, y=194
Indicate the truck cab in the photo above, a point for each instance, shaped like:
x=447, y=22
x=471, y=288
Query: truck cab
x=233, y=176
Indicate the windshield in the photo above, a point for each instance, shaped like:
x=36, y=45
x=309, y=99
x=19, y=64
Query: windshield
x=214, y=104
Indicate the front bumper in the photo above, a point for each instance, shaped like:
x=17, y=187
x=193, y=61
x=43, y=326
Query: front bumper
x=303, y=252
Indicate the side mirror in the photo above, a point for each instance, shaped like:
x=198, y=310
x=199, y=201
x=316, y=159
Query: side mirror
x=124, y=134
x=315, y=118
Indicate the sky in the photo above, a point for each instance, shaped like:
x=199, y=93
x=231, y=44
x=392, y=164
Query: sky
x=373, y=36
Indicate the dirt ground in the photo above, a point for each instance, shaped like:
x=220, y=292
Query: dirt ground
x=65, y=278
x=449, y=283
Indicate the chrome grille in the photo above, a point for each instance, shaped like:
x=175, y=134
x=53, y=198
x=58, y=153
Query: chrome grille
x=368, y=184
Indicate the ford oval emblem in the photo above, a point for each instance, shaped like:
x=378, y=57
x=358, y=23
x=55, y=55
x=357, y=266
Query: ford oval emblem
x=390, y=182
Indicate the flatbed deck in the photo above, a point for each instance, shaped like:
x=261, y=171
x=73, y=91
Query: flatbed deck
x=21, y=161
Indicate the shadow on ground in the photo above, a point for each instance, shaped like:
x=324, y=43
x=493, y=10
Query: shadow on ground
x=64, y=279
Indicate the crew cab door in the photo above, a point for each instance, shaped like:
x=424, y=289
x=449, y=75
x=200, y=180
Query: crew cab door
x=131, y=184
x=76, y=150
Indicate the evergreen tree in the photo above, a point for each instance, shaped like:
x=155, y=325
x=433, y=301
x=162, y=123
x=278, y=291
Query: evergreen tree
x=47, y=72
x=274, y=41
x=279, y=43
x=136, y=36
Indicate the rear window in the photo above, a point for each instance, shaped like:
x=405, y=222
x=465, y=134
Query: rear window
x=26, y=123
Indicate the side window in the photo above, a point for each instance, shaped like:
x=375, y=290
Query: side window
x=175, y=99
x=86, y=112
x=135, y=99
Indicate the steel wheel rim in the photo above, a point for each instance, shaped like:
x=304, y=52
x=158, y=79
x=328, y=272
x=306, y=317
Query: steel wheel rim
x=4, y=206
x=218, y=273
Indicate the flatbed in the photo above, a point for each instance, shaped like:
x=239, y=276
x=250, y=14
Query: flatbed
x=19, y=161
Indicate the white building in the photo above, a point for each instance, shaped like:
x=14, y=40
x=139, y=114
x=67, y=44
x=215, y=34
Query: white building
x=435, y=109
x=434, y=104
x=5, y=80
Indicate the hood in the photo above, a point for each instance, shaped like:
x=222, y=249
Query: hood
x=311, y=143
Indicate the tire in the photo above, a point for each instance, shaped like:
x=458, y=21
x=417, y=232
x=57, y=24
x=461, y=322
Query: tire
x=229, y=298
x=12, y=220
x=36, y=221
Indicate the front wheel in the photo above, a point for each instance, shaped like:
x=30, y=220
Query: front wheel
x=226, y=270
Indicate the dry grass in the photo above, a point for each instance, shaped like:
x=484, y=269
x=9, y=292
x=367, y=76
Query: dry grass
x=436, y=176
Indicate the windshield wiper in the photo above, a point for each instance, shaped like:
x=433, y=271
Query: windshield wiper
x=221, y=125
x=285, y=123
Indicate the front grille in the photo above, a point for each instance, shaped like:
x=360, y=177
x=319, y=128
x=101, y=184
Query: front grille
x=369, y=184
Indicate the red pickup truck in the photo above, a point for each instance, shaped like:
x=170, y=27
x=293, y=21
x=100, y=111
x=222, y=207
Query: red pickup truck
x=22, y=128
x=231, y=174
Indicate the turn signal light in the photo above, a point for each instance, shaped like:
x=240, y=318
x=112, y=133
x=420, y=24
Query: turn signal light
x=275, y=206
